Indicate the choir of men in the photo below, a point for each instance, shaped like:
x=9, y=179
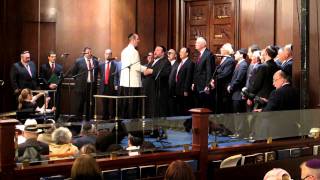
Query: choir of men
x=172, y=83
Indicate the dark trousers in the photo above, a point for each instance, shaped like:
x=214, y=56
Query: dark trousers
x=108, y=104
x=183, y=105
x=172, y=102
x=130, y=108
x=85, y=101
x=238, y=106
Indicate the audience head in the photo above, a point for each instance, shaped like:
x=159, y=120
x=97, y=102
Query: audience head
x=52, y=56
x=241, y=54
x=133, y=141
x=172, y=55
x=85, y=167
x=179, y=170
x=62, y=135
x=25, y=95
x=201, y=43
x=277, y=174
x=51, y=126
x=252, y=49
x=226, y=49
x=150, y=57
x=184, y=53
x=159, y=52
x=30, y=129
x=87, y=129
x=310, y=170
x=107, y=54
x=88, y=149
x=134, y=39
x=87, y=52
x=279, y=78
x=25, y=57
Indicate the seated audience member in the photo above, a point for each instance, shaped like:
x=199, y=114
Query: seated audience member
x=87, y=136
x=179, y=170
x=31, y=133
x=88, y=149
x=46, y=137
x=134, y=144
x=277, y=174
x=27, y=102
x=310, y=170
x=114, y=147
x=85, y=167
x=62, y=143
x=284, y=97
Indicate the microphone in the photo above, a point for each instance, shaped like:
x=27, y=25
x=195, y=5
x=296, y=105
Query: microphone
x=1, y=82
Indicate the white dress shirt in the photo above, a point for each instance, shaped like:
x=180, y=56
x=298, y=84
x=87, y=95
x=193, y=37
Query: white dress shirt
x=130, y=56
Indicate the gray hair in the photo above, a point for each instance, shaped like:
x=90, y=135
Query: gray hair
x=228, y=47
x=202, y=40
x=62, y=135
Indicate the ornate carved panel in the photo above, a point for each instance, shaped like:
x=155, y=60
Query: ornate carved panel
x=212, y=19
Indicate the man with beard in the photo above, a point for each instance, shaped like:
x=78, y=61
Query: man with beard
x=157, y=76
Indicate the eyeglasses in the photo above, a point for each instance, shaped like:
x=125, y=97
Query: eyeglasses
x=306, y=177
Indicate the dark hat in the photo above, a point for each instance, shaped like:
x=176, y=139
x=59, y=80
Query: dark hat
x=313, y=163
x=243, y=51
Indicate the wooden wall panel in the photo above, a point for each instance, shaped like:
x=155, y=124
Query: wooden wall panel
x=123, y=22
x=161, y=23
x=284, y=22
x=256, y=22
x=145, y=26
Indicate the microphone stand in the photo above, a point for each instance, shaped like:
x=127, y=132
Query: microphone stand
x=129, y=67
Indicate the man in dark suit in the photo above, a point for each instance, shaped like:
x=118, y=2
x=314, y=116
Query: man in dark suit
x=172, y=57
x=284, y=97
x=50, y=73
x=157, y=76
x=238, y=81
x=262, y=85
x=202, y=75
x=85, y=72
x=222, y=79
x=109, y=82
x=183, y=78
x=286, y=65
x=23, y=74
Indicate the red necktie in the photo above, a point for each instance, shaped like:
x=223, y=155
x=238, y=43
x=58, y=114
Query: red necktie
x=199, y=58
x=106, y=79
x=179, y=67
x=52, y=67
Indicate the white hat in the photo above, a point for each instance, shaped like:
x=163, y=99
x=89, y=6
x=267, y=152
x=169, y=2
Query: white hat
x=30, y=122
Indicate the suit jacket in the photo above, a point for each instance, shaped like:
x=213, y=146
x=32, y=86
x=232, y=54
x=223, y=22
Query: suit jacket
x=20, y=77
x=287, y=67
x=80, y=66
x=42, y=148
x=238, y=80
x=157, y=87
x=263, y=82
x=224, y=74
x=203, y=70
x=184, y=77
x=284, y=98
x=46, y=73
x=113, y=76
x=251, y=74
x=172, y=78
